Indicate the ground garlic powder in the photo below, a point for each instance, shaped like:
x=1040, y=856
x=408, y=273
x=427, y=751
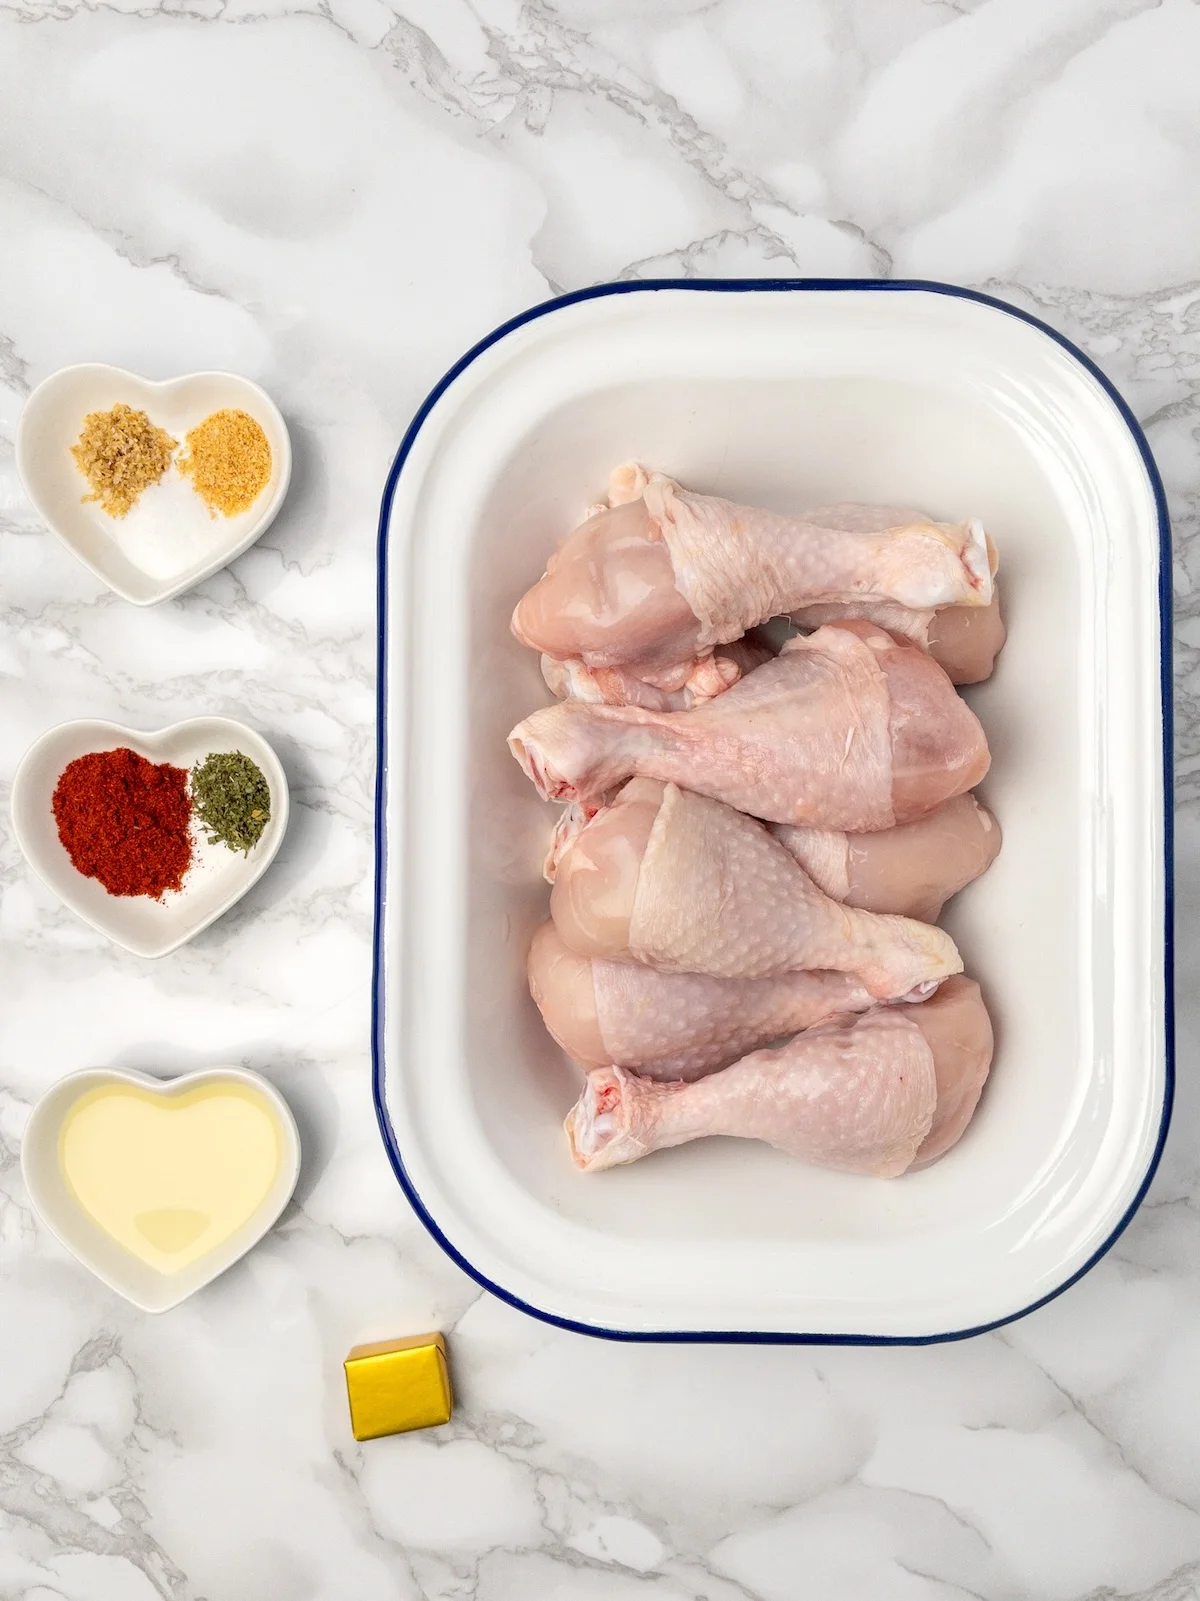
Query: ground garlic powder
x=228, y=459
x=120, y=453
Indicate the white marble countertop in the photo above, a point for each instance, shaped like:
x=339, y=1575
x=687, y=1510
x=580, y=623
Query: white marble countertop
x=336, y=197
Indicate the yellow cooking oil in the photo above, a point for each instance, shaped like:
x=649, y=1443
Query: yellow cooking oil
x=170, y=1177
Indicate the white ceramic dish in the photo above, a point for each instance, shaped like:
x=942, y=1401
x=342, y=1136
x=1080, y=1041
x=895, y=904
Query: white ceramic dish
x=785, y=394
x=217, y=877
x=169, y=541
x=58, y=1208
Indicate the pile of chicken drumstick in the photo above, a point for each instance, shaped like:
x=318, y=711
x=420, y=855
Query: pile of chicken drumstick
x=757, y=843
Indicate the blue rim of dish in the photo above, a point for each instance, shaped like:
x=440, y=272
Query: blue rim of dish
x=743, y=286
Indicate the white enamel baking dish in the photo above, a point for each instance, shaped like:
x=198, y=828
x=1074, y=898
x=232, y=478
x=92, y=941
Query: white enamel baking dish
x=787, y=394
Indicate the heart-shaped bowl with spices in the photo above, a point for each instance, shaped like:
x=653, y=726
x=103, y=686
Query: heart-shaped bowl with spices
x=155, y=486
x=171, y=822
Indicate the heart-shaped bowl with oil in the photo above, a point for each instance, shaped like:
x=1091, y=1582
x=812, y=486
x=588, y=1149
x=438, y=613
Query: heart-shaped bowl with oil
x=160, y=1185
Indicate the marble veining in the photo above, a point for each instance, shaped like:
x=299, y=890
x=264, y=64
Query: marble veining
x=336, y=197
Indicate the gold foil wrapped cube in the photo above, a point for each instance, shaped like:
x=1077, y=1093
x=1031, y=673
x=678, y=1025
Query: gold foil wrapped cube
x=397, y=1385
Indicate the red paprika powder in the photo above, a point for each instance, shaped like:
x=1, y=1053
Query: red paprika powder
x=124, y=820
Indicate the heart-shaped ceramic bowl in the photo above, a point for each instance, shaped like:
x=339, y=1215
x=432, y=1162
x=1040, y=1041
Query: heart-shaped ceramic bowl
x=160, y=1112
x=169, y=540
x=217, y=877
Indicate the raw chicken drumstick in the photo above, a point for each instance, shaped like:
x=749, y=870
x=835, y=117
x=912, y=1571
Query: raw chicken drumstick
x=890, y=1091
x=912, y=869
x=615, y=686
x=652, y=584
x=686, y=885
x=963, y=640
x=848, y=729
x=673, y=1025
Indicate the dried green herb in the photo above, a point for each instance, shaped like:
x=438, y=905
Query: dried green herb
x=231, y=799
